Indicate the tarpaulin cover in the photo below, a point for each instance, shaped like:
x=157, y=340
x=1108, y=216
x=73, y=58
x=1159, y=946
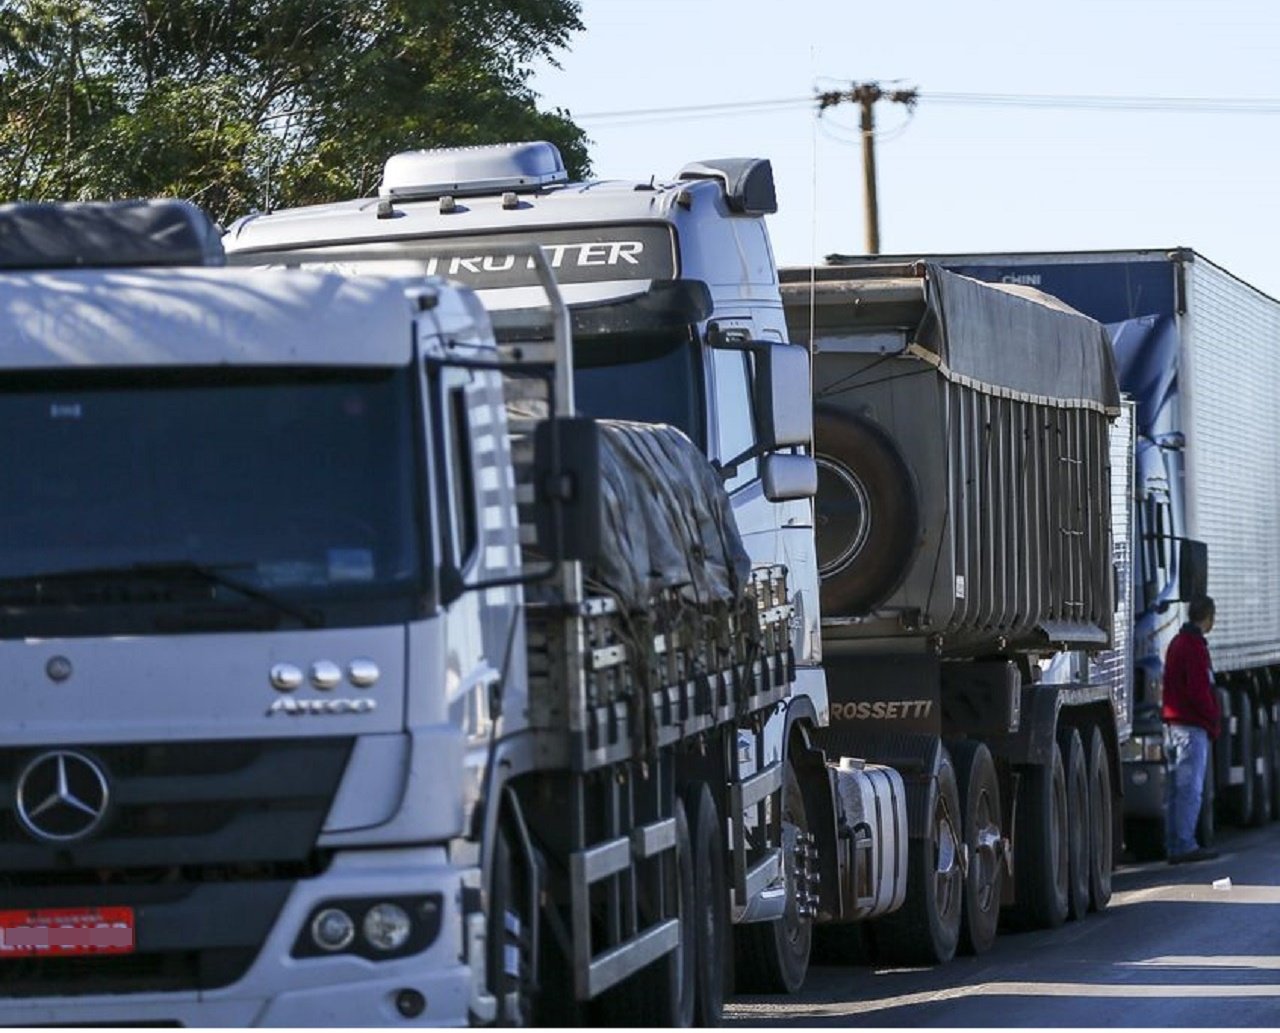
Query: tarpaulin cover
x=667, y=521
x=1019, y=338
x=105, y=234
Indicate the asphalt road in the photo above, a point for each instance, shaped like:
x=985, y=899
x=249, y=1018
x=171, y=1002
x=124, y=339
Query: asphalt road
x=1173, y=949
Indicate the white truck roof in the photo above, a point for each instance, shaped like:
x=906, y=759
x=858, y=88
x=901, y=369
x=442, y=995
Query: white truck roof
x=456, y=208
x=604, y=201
x=214, y=316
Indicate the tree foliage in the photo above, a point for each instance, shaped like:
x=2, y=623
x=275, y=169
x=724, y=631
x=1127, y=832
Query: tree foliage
x=236, y=104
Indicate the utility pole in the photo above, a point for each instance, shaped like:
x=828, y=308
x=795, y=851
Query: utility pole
x=865, y=95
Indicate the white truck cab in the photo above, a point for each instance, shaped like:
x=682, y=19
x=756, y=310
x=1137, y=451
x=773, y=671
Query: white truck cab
x=673, y=294
x=229, y=661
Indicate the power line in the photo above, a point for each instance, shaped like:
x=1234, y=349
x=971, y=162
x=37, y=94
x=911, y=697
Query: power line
x=1096, y=102
x=1079, y=101
x=692, y=111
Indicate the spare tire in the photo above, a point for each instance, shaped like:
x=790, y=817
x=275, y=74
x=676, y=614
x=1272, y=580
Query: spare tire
x=867, y=516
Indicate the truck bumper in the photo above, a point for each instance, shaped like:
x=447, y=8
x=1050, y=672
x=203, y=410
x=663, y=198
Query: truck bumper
x=1143, y=789
x=335, y=990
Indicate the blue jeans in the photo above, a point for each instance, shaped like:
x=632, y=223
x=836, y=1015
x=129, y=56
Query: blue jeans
x=1186, y=753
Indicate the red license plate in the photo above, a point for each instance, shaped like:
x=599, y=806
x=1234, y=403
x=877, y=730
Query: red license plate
x=60, y=931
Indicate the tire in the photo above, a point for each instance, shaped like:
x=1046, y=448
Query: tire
x=710, y=906
x=1240, y=796
x=926, y=929
x=1275, y=765
x=507, y=942
x=1101, y=822
x=1041, y=862
x=980, y=799
x=556, y=1004
x=661, y=994
x=1077, y=775
x=1263, y=771
x=867, y=519
x=773, y=957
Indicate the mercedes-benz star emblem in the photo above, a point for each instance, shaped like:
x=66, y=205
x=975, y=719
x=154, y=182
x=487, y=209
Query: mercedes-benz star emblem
x=62, y=795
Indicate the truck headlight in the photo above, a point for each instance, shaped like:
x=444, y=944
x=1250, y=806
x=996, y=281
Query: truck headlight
x=386, y=927
x=332, y=929
x=375, y=928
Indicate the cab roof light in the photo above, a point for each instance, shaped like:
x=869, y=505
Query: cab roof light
x=747, y=182
x=471, y=171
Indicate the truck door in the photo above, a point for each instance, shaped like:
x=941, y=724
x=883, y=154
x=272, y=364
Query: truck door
x=470, y=468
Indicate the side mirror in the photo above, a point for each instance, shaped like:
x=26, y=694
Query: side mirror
x=786, y=476
x=781, y=390
x=1193, y=569
x=784, y=411
x=566, y=465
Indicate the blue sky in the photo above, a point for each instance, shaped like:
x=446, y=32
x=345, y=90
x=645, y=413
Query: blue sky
x=954, y=175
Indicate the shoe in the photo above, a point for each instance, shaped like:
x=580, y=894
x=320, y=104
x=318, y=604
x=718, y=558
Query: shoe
x=1200, y=853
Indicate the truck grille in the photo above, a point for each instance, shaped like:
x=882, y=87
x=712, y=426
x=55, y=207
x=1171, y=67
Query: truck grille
x=203, y=840
x=193, y=803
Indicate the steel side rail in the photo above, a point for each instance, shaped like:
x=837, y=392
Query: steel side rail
x=595, y=973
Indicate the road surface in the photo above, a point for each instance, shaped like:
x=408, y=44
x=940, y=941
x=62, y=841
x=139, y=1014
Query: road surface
x=1173, y=949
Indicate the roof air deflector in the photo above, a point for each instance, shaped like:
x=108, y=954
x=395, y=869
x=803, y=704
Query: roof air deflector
x=471, y=171
x=748, y=182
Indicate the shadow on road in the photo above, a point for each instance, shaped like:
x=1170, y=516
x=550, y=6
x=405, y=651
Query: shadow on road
x=1186, y=945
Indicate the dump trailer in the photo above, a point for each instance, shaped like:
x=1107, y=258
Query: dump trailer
x=677, y=319
x=966, y=533
x=1196, y=348
x=334, y=695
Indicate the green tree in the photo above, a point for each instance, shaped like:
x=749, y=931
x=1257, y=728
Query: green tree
x=236, y=104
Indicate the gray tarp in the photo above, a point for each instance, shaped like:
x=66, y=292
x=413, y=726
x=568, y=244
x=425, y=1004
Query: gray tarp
x=107, y=234
x=666, y=517
x=1019, y=338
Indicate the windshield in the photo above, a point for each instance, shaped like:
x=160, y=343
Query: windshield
x=140, y=501
x=650, y=378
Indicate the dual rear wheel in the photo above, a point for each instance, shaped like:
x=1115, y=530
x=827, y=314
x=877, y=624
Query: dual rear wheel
x=1064, y=828
x=686, y=987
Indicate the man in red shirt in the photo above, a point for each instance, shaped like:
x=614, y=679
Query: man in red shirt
x=1192, y=717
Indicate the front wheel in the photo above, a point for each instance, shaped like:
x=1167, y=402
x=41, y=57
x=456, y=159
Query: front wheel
x=773, y=957
x=926, y=929
x=508, y=958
